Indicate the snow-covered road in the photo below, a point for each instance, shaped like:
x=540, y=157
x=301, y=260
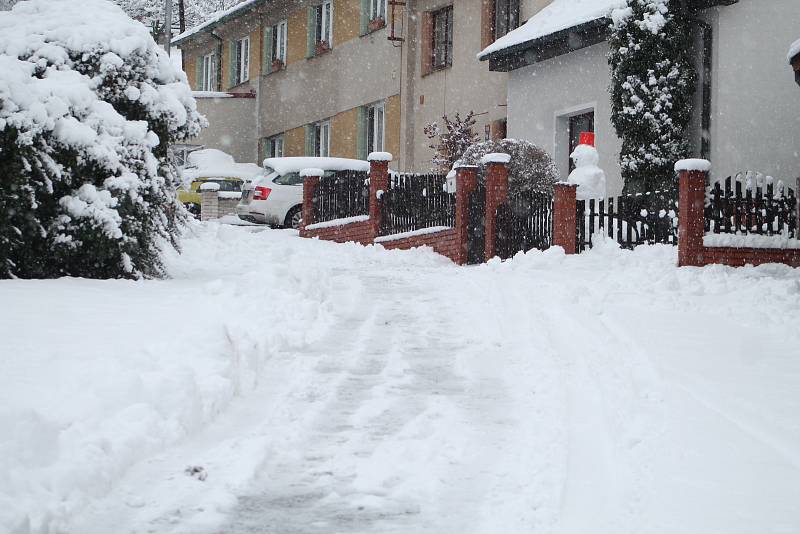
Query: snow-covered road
x=340, y=389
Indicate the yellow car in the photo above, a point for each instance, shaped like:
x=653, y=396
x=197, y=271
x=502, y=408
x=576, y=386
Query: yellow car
x=190, y=197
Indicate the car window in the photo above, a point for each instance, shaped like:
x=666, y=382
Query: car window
x=224, y=185
x=294, y=178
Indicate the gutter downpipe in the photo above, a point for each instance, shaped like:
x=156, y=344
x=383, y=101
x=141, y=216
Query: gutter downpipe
x=708, y=72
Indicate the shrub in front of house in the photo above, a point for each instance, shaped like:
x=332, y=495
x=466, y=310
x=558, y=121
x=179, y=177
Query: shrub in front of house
x=531, y=167
x=88, y=106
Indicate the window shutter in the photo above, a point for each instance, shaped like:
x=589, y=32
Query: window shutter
x=312, y=32
x=267, y=49
x=232, y=64
x=365, y=17
x=361, y=143
x=309, y=129
x=198, y=74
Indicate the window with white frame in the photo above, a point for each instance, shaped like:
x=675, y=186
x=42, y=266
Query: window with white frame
x=324, y=19
x=279, y=41
x=207, y=73
x=375, y=127
x=377, y=9
x=243, y=60
x=322, y=139
x=273, y=148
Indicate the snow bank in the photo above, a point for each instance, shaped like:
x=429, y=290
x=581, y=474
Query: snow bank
x=557, y=16
x=702, y=165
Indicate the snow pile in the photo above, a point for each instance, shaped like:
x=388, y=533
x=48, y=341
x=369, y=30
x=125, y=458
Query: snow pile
x=557, y=16
x=590, y=179
x=751, y=241
x=212, y=163
x=340, y=388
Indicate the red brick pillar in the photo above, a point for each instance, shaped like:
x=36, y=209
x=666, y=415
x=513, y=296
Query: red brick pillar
x=496, y=194
x=691, y=225
x=565, y=217
x=310, y=184
x=466, y=183
x=378, y=181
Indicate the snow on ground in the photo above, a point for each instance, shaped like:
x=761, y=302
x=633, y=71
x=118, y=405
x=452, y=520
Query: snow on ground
x=337, y=388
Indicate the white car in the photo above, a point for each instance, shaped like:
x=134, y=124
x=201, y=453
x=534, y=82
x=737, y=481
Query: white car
x=276, y=197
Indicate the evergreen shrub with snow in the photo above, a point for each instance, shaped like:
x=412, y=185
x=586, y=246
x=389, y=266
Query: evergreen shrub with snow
x=652, y=87
x=531, y=168
x=88, y=104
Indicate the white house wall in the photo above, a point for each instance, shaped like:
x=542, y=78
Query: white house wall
x=755, y=101
x=542, y=96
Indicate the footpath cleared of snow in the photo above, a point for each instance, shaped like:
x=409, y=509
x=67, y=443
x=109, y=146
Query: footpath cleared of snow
x=337, y=388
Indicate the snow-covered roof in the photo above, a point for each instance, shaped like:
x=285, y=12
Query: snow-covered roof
x=217, y=19
x=558, y=16
x=794, y=50
x=287, y=165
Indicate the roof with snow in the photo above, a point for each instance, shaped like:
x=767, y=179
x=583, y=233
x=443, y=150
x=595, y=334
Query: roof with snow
x=794, y=51
x=552, y=31
x=220, y=18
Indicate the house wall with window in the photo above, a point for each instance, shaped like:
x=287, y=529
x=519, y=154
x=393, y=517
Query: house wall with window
x=462, y=84
x=542, y=98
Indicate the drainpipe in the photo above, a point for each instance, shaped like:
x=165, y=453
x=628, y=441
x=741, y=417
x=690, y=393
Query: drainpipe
x=708, y=57
x=219, y=56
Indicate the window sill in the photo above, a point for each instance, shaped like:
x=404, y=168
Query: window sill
x=434, y=70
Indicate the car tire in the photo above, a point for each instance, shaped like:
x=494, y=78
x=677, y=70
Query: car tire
x=294, y=218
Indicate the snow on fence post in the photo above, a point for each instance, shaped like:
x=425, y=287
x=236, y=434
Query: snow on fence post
x=378, y=182
x=692, y=178
x=311, y=178
x=565, y=219
x=466, y=183
x=209, y=201
x=496, y=195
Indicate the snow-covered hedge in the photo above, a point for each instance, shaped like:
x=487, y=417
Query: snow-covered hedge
x=530, y=169
x=88, y=104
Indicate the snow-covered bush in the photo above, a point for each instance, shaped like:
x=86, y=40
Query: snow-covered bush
x=530, y=169
x=449, y=144
x=652, y=87
x=88, y=104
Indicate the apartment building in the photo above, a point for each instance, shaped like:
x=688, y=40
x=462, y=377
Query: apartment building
x=346, y=77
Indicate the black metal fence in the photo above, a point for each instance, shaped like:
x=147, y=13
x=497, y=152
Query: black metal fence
x=524, y=222
x=751, y=203
x=416, y=201
x=340, y=195
x=631, y=220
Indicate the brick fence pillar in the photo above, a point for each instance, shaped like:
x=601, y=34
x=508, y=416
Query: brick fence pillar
x=209, y=201
x=378, y=181
x=565, y=219
x=310, y=185
x=466, y=183
x=691, y=225
x=496, y=195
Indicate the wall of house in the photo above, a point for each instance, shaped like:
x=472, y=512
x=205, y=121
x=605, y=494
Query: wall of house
x=542, y=96
x=528, y=8
x=755, y=101
x=466, y=86
x=231, y=127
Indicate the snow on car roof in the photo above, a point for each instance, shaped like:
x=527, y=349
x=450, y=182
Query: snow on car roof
x=558, y=16
x=211, y=163
x=287, y=165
